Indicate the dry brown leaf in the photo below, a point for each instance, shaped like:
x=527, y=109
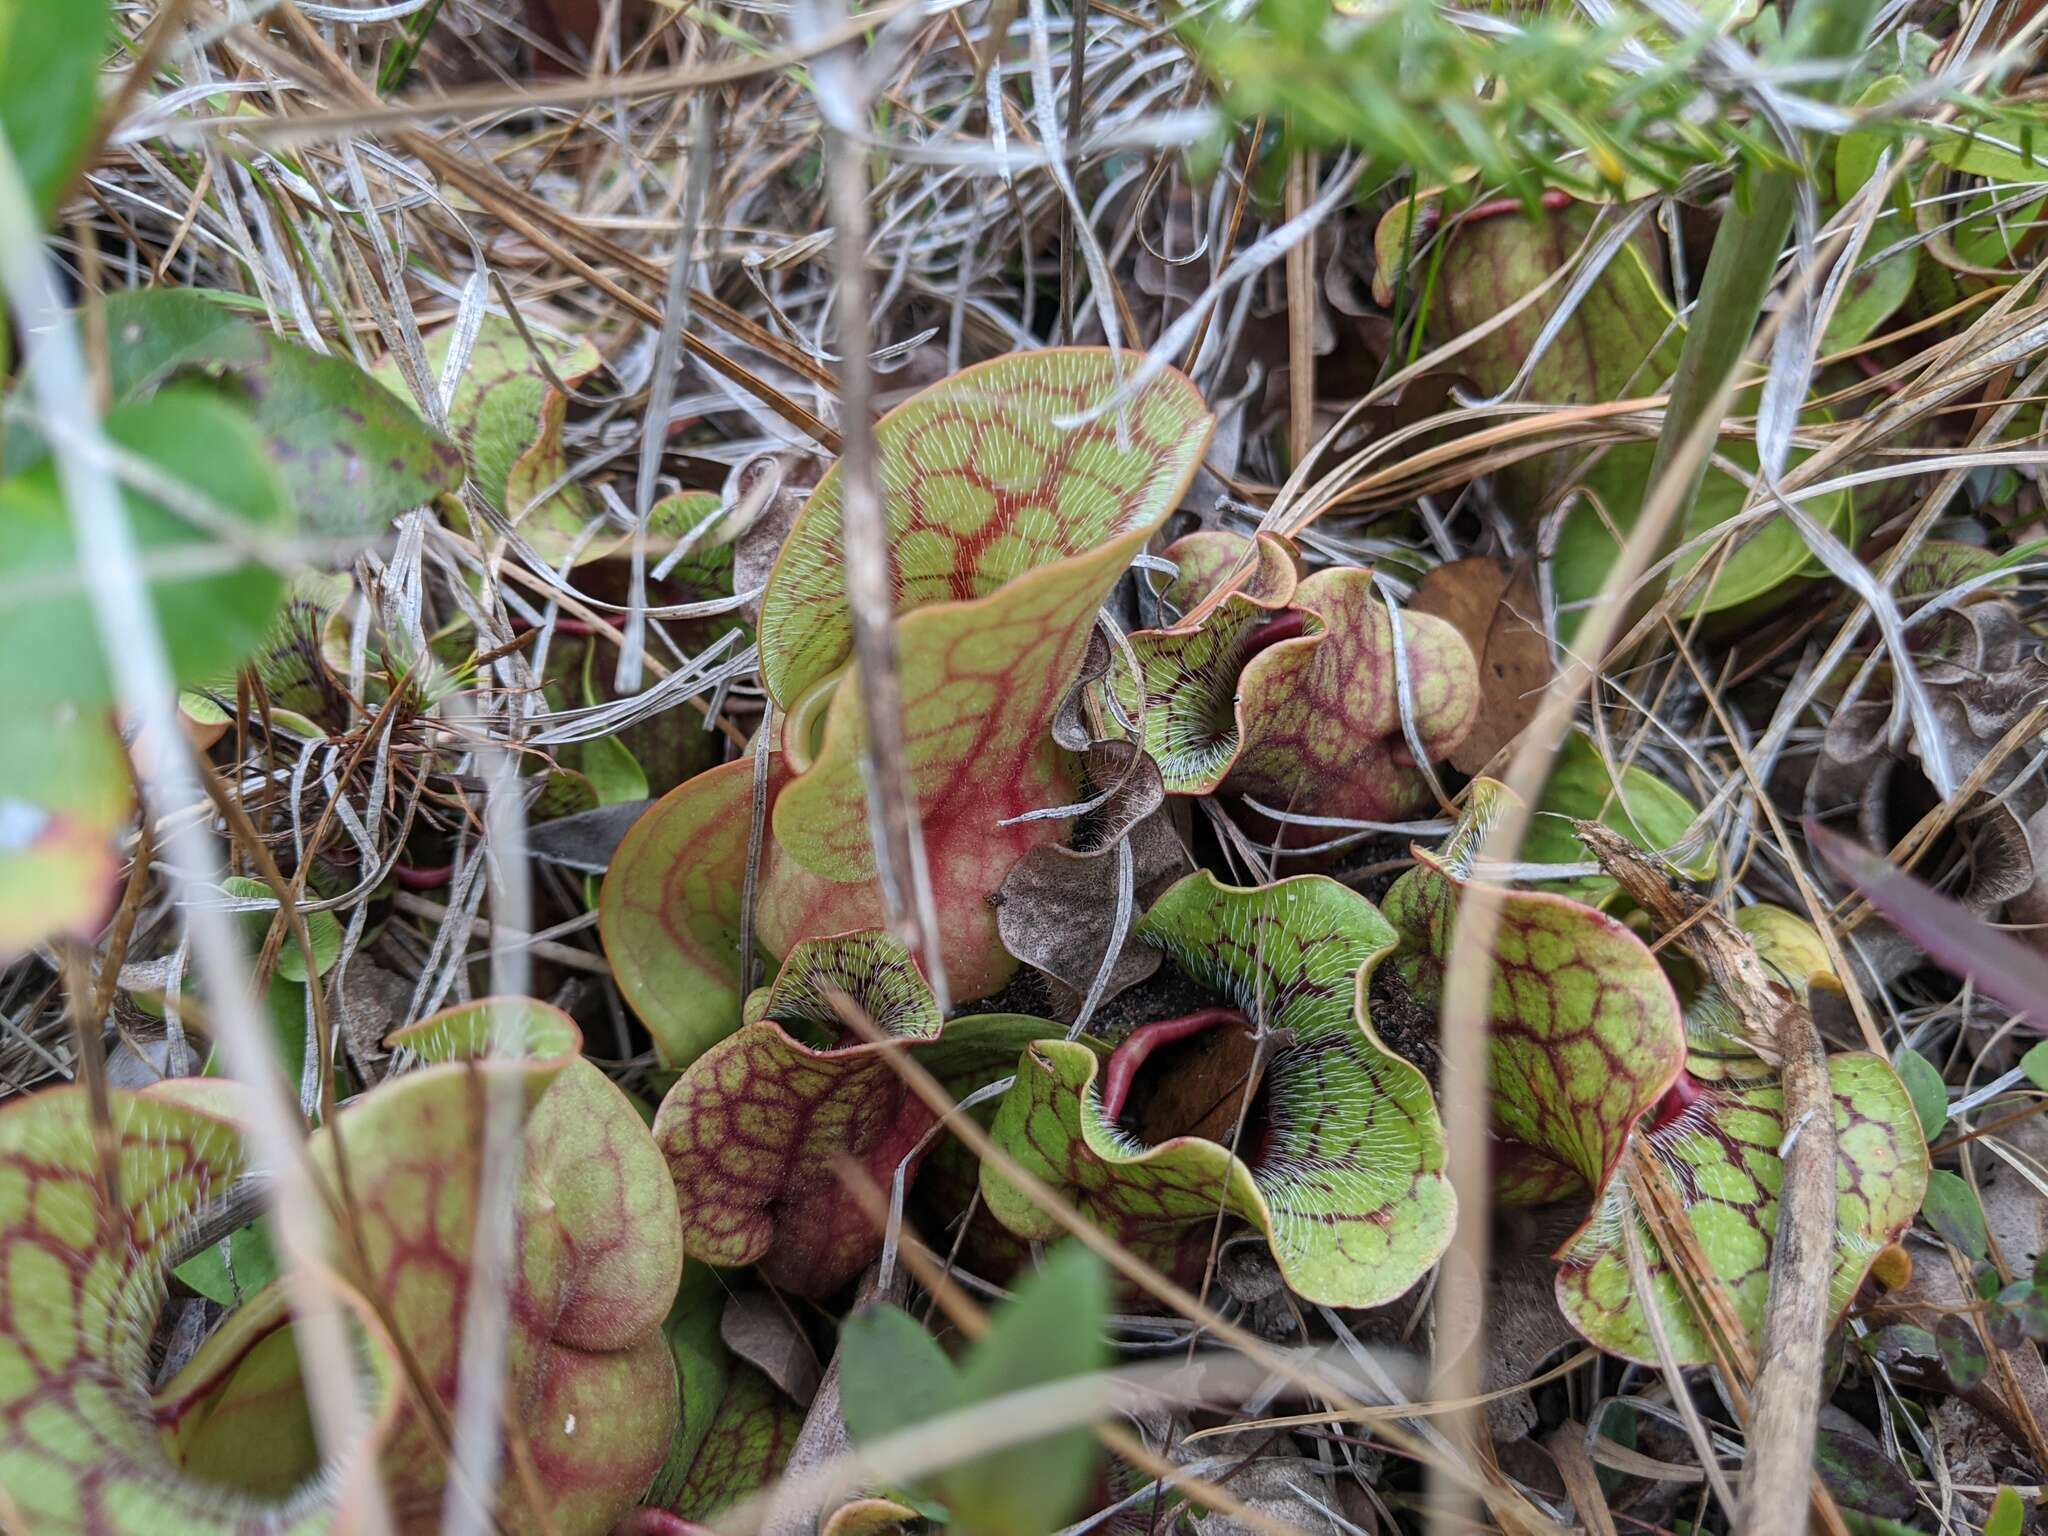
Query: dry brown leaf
x=1524, y=1327
x=1057, y=909
x=1982, y=690
x=759, y=1329
x=1492, y=603
x=767, y=494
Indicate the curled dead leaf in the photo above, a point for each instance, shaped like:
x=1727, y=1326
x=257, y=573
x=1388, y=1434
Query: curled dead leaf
x=765, y=493
x=1988, y=680
x=761, y=1330
x=1057, y=909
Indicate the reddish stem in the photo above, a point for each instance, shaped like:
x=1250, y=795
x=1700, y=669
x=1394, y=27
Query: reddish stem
x=1128, y=1059
x=1430, y=215
x=521, y=625
x=1553, y=199
x=1684, y=1092
x=422, y=877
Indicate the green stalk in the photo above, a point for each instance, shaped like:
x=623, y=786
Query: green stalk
x=411, y=41
x=1739, y=272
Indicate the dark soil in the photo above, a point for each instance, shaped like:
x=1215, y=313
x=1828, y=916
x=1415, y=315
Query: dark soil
x=1405, y=1026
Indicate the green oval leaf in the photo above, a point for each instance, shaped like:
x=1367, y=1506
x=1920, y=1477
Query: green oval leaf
x=1050, y=1330
x=894, y=1377
x=1963, y=1355
x=321, y=929
x=350, y=456
x=1766, y=561
x=892, y=1374
x=50, y=57
x=1636, y=803
x=1951, y=1208
x=1923, y=1082
x=213, y=601
x=1856, y=153
x=2035, y=1064
x=2008, y=1514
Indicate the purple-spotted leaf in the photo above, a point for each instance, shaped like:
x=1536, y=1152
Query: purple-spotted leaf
x=588, y=1377
x=1935, y=565
x=507, y=415
x=1010, y=531
x=1290, y=691
x=1719, y=1145
x=1341, y=1161
x=758, y=1129
x=351, y=455
x=1585, y=1033
x=1963, y=1355
x=1952, y=1209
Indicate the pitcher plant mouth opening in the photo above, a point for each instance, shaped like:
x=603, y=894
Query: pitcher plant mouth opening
x=1202, y=1074
x=803, y=730
x=1291, y=624
x=206, y=1424
x=1685, y=1095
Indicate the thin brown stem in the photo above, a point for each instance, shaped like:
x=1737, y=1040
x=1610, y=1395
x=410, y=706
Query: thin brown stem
x=871, y=588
